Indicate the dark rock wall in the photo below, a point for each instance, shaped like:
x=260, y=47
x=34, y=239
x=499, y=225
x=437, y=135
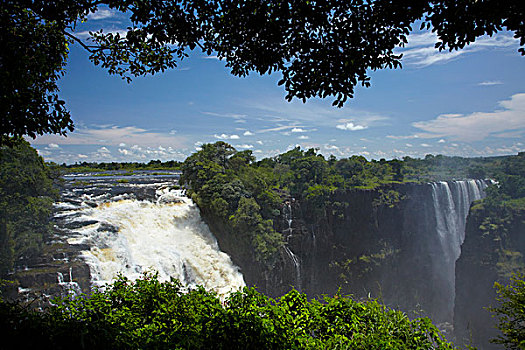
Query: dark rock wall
x=399, y=243
x=482, y=262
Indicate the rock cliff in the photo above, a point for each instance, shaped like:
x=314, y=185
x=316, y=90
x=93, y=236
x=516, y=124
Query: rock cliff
x=493, y=249
x=366, y=244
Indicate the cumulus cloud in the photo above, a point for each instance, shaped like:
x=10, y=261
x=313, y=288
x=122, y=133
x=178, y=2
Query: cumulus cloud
x=478, y=125
x=351, y=126
x=248, y=133
x=303, y=137
x=53, y=145
x=298, y=130
x=227, y=137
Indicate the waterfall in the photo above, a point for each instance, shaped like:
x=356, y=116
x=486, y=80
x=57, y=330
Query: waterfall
x=297, y=266
x=166, y=235
x=289, y=217
x=451, y=204
x=293, y=257
x=71, y=288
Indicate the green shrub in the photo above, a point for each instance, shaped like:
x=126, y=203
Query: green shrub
x=149, y=314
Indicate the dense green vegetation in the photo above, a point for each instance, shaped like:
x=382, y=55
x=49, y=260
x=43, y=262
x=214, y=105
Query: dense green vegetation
x=114, y=166
x=511, y=313
x=26, y=198
x=148, y=314
x=248, y=196
x=502, y=210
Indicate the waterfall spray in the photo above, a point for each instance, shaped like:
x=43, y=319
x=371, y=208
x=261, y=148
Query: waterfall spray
x=165, y=235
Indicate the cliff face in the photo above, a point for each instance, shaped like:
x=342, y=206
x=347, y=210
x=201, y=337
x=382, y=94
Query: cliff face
x=361, y=243
x=373, y=249
x=493, y=249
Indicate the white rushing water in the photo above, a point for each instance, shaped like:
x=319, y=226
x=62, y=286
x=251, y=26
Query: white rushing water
x=451, y=204
x=294, y=258
x=129, y=236
x=451, y=201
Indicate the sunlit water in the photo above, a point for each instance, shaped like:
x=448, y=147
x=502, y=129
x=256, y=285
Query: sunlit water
x=131, y=227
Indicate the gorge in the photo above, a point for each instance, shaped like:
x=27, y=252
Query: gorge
x=404, y=255
x=428, y=247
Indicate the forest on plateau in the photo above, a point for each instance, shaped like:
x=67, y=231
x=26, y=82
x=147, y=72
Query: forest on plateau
x=247, y=195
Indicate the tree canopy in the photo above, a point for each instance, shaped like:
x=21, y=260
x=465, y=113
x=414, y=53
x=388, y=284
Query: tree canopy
x=321, y=48
x=150, y=314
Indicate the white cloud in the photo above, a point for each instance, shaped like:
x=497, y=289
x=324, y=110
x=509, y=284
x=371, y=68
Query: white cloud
x=303, y=137
x=426, y=56
x=244, y=146
x=103, y=150
x=239, y=118
x=227, y=137
x=122, y=144
x=102, y=14
x=420, y=50
x=478, y=125
x=490, y=83
x=248, y=133
x=442, y=141
x=43, y=153
x=298, y=130
x=53, y=145
x=351, y=126
x=402, y=137
x=279, y=128
x=113, y=136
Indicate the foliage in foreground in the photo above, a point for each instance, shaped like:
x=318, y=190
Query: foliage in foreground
x=148, y=313
x=511, y=313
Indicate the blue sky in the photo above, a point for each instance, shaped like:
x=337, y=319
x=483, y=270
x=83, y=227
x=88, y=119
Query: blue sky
x=467, y=103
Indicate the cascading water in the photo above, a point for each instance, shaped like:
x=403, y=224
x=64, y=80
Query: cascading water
x=71, y=288
x=163, y=233
x=293, y=257
x=451, y=202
